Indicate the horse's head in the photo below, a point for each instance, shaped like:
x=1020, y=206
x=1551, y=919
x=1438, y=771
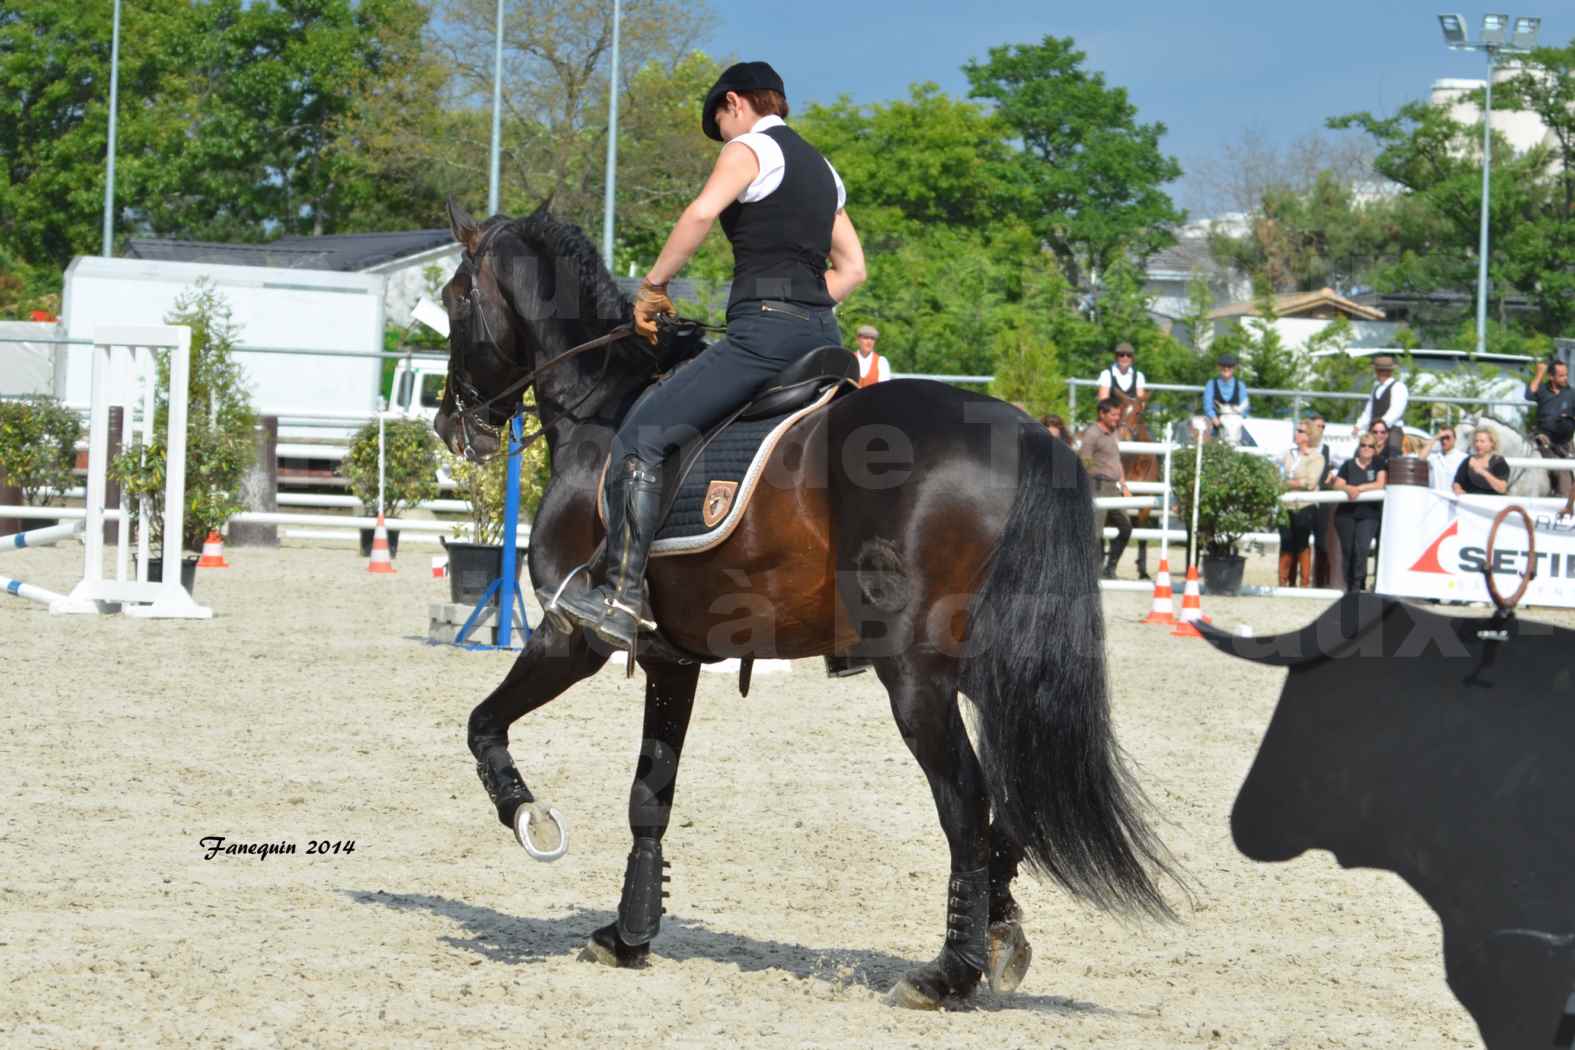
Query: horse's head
x=486, y=351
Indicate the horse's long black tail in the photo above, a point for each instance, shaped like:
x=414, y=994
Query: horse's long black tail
x=1037, y=674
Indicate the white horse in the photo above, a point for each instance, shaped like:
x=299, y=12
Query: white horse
x=1530, y=483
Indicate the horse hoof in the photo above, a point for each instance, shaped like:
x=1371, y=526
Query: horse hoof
x=526, y=817
x=606, y=948
x=1009, y=957
x=906, y=995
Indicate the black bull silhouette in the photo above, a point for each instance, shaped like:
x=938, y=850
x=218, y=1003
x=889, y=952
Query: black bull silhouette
x=1441, y=749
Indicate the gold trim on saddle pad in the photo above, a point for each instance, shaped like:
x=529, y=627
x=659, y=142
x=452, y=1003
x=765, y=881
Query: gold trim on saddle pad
x=718, y=501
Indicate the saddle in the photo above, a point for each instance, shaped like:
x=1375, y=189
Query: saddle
x=709, y=480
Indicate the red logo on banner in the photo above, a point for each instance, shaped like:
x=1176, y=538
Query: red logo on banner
x=1429, y=562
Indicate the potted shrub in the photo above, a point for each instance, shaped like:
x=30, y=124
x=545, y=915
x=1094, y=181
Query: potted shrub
x=38, y=450
x=477, y=560
x=410, y=466
x=220, y=444
x=1240, y=493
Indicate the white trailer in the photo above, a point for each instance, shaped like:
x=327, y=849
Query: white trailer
x=338, y=315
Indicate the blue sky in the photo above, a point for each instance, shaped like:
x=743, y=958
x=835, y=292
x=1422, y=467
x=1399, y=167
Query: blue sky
x=1208, y=71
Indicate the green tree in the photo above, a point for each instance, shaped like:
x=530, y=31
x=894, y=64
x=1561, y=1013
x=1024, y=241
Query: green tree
x=1433, y=229
x=1306, y=240
x=1089, y=175
x=1541, y=255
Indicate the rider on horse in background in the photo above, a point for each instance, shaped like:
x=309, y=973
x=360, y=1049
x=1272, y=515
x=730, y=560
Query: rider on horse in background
x=781, y=206
x=1122, y=380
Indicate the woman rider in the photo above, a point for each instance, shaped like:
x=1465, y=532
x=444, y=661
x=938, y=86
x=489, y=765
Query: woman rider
x=781, y=206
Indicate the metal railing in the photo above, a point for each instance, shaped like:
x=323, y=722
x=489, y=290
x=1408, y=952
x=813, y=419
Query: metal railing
x=1299, y=396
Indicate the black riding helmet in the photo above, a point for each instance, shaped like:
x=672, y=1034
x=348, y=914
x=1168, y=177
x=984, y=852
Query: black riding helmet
x=742, y=76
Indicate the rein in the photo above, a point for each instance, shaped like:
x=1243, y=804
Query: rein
x=471, y=414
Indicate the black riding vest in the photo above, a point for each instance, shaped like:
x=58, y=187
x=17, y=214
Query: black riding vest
x=1130, y=389
x=1236, y=393
x=780, y=244
x=1380, y=405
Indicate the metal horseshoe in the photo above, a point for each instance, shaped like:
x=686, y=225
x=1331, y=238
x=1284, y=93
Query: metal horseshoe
x=522, y=818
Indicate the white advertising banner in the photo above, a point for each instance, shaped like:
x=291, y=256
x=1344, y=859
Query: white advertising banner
x=1435, y=546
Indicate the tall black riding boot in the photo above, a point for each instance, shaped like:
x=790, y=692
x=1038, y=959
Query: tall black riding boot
x=615, y=610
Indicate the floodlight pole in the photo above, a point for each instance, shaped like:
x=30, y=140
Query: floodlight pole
x=497, y=114
x=1487, y=173
x=109, y=172
x=612, y=144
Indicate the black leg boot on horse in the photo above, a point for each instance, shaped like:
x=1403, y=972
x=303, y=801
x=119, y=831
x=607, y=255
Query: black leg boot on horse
x=615, y=611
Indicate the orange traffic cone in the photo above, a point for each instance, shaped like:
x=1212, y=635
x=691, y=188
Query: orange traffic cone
x=381, y=560
x=1164, y=611
x=212, y=552
x=1191, y=608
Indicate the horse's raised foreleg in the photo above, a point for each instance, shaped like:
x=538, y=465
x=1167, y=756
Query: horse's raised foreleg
x=551, y=663
x=669, y=700
x=924, y=702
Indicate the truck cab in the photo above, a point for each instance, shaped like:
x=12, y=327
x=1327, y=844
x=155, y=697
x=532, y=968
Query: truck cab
x=417, y=387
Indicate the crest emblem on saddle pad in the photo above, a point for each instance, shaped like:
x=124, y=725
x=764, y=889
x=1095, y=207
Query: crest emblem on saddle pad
x=718, y=501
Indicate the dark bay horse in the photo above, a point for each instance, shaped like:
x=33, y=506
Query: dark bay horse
x=1137, y=466
x=942, y=534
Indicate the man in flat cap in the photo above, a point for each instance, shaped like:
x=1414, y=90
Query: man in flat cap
x=1225, y=400
x=1387, y=402
x=873, y=368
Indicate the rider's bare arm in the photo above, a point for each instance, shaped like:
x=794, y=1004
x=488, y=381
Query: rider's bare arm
x=847, y=258
x=735, y=169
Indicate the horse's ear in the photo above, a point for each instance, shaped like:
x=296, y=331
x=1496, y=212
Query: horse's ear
x=542, y=208
x=465, y=229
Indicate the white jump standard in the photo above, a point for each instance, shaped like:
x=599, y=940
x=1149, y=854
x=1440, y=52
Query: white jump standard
x=123, y=358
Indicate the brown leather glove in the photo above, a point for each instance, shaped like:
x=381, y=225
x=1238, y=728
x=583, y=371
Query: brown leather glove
x=650, y=301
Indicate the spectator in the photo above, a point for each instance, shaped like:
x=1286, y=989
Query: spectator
x=873, y=368
x=1380, y=430
x=1443, y=460
x=1101, y=453
x=1357, y=523
x=1555, y=419
x=1387, y=402
x=1225, y=400
x=1056, y=425
x=1122, y=378
x=1323, y=517
x=1485, y=473
x=1303, y=469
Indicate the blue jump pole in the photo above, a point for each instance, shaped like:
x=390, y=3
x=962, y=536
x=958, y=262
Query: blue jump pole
x=508, y=582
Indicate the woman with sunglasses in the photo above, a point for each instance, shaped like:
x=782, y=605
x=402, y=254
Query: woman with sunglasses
x=1355, y=523
x=1302, y=469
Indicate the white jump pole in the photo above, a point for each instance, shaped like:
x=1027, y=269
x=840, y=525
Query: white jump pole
x=40, y=537
x=27, y=590
x=1197, y=480
x=1164, y=522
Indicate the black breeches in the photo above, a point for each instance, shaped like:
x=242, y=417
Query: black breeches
x=1356, y=536
x=762, y=339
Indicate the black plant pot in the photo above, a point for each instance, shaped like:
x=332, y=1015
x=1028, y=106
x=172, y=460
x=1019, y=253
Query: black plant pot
x=1222, y=573
x=188, y=572
x=472, y=566
x=366, y=542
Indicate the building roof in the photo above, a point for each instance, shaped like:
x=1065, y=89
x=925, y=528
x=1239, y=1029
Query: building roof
x=347, y=252
x=1323, y=303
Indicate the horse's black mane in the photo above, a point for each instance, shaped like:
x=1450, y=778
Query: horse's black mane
x=556, y=239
